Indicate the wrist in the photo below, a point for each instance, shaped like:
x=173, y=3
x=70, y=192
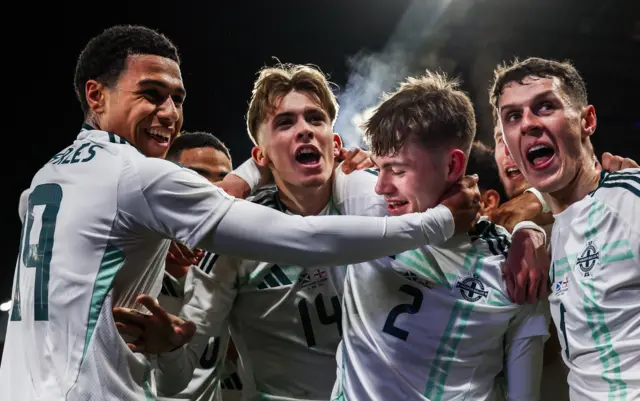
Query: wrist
x=529, y=225
x=538, y=194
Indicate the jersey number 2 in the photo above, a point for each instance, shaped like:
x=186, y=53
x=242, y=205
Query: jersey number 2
x=38, y=255
x=411, y=309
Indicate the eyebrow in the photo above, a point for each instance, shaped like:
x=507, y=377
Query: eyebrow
x=388, y=164
x=156, y=82
x=307, y=110
x=535, y=98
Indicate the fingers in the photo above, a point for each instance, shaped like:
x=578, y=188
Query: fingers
x=532, y=289
x=511, y=284
x=185, y=330
x=355, y=159
x=365, y=164
x=129, y=316
x=628, y=163
x=130, y=330
x=468, y=181
x=154, y=307
x=611, y=163
x=522, y=284
x=182, y=254
x=136, y=347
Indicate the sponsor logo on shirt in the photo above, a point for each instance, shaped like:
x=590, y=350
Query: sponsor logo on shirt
x=314, y=279
x=560, y=287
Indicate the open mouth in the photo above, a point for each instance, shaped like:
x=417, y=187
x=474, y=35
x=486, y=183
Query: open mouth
x=159, y=136
x=307, y=156
x=540, y=155
x=394, y=205
x=512, y=172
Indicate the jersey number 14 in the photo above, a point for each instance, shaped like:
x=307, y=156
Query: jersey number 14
x=323, y=317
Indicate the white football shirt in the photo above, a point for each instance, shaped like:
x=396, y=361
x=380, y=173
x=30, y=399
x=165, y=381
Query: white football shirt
x=595, y=299
x=96, y=231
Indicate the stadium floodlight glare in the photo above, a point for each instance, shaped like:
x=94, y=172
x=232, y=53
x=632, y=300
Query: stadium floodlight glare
x=5, y=306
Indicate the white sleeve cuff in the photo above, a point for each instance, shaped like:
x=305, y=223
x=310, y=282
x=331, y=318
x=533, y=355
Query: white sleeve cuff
x=250, y=173
x=531, y=225
x=445, y=218
x=538, y=194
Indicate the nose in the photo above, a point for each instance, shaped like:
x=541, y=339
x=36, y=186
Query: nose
x=383, y=186
x=530, y=123
x=506, y=150
x=305, y=133
x=168, y=112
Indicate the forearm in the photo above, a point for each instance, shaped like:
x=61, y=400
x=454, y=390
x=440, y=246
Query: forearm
x=250, y=231
x=523, y=368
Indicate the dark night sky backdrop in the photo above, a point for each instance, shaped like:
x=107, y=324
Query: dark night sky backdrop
x=223, y=44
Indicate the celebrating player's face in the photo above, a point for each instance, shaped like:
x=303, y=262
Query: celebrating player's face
x=413, y=180
x=145, y=105
x=544, y=132
x=510, y=175
x=209, y=162
x=298, y=143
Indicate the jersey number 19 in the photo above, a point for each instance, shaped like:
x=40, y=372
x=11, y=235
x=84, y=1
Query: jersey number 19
x=44, y=202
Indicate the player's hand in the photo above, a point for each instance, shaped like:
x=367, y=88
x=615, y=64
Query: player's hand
x=354, y=159
x=153, y=333
x=526, y=270
x=180, y=258
x=613, y=163
x=235, y=186
x=463, y=200
x=521, y=208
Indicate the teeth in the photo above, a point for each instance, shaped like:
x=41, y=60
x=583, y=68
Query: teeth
x=163, y=135
x=512, y=170
x=306, y=151
x=537, y=147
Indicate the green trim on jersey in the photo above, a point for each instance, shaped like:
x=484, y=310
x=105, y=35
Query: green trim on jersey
x=623, y=179
x=452, y=335
x=112, y=260
x=596, y=320
x=146, y=385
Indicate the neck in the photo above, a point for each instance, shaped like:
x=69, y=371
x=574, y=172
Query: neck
x=585, y=181
x=305, y=201
x=92, y=120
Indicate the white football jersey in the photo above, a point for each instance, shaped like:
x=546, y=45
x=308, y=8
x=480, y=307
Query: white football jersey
x=95, y=235
x=595, y=299
x=432, y=323
x=285, y=320
x=205, y=381
x=90, y=242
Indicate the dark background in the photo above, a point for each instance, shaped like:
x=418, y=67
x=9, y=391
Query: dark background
x=364, y=45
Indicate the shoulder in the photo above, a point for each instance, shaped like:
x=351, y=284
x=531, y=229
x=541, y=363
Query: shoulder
x=620, y=191
x=490, y=238
x=268, y=196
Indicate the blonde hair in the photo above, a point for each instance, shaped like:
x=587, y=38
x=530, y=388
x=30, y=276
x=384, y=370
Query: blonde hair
x=276, y=82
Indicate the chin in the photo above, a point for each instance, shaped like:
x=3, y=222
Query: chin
x=551, y=183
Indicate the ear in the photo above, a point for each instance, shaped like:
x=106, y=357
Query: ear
x=95, y=94
x=588, y=121
x=337, y=145
x=260, y=156
x=455, y=165
x=490, y=200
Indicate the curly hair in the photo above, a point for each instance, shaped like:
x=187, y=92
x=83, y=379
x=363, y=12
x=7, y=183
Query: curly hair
x=104, y=57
